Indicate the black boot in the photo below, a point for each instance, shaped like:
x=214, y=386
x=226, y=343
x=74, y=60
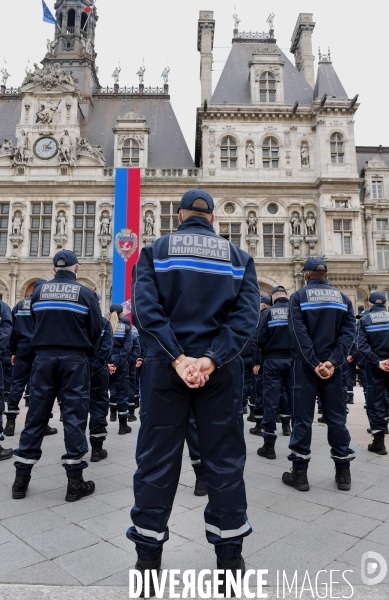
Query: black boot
x=27, y=401
x=267, y=451
x=123, y=427
x=378, y=445
x=201, y=488
x=229, y=564
x=78, y=488
x=50, y=430
x=297, y=478
x=148, y=565
x=278, y=418
x=9, y=429
x=251, y=418
x=257, y=429
x=286, y=428
x=98, y=454
x=322, y=420
x=386, y=431
x=245, y=410
x=132, y=416
x=20, y=486
x=114, y=415
x=343, y=478
x=6, y=454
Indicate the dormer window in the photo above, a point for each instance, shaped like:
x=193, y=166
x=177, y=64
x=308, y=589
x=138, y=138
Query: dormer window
x=131, y=154
x=337, y=151
x=267, y=87
x=270, y=153
x=228, y=153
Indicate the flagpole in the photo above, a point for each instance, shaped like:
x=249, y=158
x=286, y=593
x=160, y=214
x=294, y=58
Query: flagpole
x=86, y=22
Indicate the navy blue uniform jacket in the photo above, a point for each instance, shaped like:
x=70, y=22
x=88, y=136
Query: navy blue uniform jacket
x=195, y=293
x=67, y=316
x=103, y=349
x=22, y=325
x=122, y=344
x=373, y=335
x=5, y=324
x=273, y=333
x=322, y=324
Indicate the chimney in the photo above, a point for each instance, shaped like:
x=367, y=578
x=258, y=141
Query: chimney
x=205, y=33
x=302, y=46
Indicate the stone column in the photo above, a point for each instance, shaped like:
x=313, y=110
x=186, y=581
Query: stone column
x=103, y=289
x=206, y=28
x=369, y=241
x=13, y=275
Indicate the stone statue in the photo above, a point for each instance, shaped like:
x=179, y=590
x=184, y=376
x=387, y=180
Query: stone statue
x=250, y=155
x=94, y=151
x=296, y=224
x=50, y=46
x=6, y=75
x=237, y=21
x=252, y=223
x=22, y=153
x=61, y=223
x=17, y=222
x=366, y=186
x=47, y=111
x=65, y=150
x=105, y=223
x=304, y=152
x=270, y=20
x=311, y=224
x=149, y=224
x=7, y=147
x=49, y=76
x=165, y=75
x=141, y=74
x=89, y=47
x=116, y=74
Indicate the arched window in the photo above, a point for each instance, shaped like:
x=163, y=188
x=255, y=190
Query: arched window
x=71, y=20
x=131, y=153
x=229, y=152
x=60, y=19
x=267, y=87
x=84, y=18
x=360, y=302
x=270, y=153
x=337, y=152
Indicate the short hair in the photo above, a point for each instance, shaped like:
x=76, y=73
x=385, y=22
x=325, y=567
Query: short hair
x=200, y=203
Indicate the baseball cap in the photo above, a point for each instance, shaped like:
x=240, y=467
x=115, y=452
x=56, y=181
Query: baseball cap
x=312, y=264
x=278, y=288
x=266, y=300
x=377, y=296
x=189, y=197
x=65, y=258
x=116, y=308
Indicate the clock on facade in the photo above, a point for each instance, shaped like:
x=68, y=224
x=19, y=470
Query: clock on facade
x=46, y=148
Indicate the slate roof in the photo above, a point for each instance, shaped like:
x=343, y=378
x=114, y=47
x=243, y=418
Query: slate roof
x=363, y=155
x=10, y=112
x=327, y=82
x=234, y=86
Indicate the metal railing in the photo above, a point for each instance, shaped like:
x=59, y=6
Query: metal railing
x=131, y=90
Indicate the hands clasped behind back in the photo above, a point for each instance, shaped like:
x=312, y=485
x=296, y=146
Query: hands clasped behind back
x=195, y=372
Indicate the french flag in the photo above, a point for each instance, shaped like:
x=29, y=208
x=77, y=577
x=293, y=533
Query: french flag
x=88, y=9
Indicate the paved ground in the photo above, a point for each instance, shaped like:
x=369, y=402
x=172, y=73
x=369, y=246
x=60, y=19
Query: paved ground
x=47, y=542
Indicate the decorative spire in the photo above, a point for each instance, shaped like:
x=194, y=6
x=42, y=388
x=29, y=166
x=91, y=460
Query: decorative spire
x=326, y=58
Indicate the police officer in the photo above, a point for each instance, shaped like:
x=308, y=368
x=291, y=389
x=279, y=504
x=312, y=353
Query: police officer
x=67, y=326
x=195, y=300
x=132, y=370
x=5, y=333
x=99, y=399
x=22, y=358
x=275, y=342
x=373, y=346
x=322, y=324
x=257, y=414
x=119, y=369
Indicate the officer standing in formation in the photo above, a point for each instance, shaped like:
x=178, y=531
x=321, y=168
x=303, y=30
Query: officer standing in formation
x=195, y=301
x=5, y=332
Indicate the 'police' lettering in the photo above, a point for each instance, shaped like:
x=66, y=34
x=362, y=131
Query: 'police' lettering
x=205, y=246
x=280, y=314
x=323, y=295
x=381, y=316
x=60, y=291
x=26, y=304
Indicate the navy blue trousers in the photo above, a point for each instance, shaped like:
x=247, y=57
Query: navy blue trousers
x=192, y=439
x=5, y=356
x=165, y=409
x=258, y=409
x=306, y=386
x=50, y=375
x=277, y=380
x=21, y=374
x=247, y=381
x=2, y=405
x=377, y=389
x=132, y=383
x=98, y=408
x=118, y=385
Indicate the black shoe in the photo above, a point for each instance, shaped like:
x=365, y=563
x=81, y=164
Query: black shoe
x=114, y=415
x=123, y=427
x=298, y=479
x=98, y=454
x=201, y=488
x=20, y=487
x=378, y=445
x=6, y=454
x=322, y=420
x=350, y=401
x=320, y=411
x=256, y=430
x=78, y=488
x=9, y=429
x=50, y=430
x=229, y=564
x=343, y=479
x=137, y=402
x=132, y=418
x=267, y=451
x=148, y=565
x=251, y=418
x=286, y=429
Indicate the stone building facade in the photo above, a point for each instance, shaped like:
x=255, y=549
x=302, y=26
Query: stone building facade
x=274, y=145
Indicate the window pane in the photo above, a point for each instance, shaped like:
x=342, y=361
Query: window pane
x=79, y=209
x=267, y=246
x=46, y=222
x=91, y=209
x=224, y=164
x=340, y=158
x=35, y=223
x=47, y=209
x=165, y=222
x=266, y=164
x=46, y=239
x=235, y=227
x=175, y=223
x=36, y=209
x=34, y=241
x=272, y=96
x=79, y=222
x=233, y=163
x=224, y=152
x=175, y=207
x=278, y=228
x=232, y=152
x=235, y=239
x=267, y=228
x=346, y=225
x=333, y=159
x=78, y=242
x=224, y=228
x=165, y=208
x=135, y=153
x=4, y=223
x=279, y=246
x=90, y=223
x=89, y=243
x=347, y=244
x=337, y=225
x=3, y=243
x=338, y=243
x=5, y=209
x=274, y=164
x=126, y=154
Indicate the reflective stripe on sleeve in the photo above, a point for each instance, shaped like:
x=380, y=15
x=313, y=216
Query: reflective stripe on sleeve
x=148, y=533
x=227, y=533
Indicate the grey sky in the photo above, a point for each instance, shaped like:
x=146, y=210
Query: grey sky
x=164, y=33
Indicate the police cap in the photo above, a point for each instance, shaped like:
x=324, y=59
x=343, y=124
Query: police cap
x=278, y=288
x=315, y=264
x=189, y=197
x=39, y=282
x=65, y=258
x=116, y=308
x=377, y=298
x=266, y=300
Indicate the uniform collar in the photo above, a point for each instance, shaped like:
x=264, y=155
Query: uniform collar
x=379, y=307
x=68, y=275
x=196, y=222
x=317, y=282
x=281, y=300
